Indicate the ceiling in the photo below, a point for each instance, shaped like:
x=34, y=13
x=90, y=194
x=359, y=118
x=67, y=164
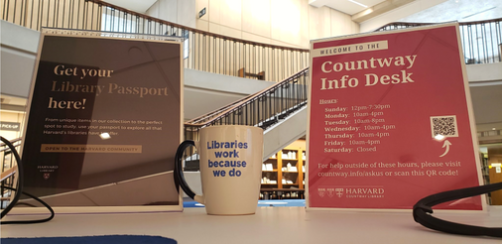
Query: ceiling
x=349, y=7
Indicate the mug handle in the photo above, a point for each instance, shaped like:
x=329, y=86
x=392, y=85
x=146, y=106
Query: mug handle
x=179, y=178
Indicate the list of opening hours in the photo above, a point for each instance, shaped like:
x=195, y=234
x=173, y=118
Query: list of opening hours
x=355, y=128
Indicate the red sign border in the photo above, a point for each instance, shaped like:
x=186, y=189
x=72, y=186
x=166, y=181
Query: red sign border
x=467, y=95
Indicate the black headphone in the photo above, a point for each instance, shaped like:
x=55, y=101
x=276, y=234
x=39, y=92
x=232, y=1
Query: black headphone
x=20, y=191
x=423, y=209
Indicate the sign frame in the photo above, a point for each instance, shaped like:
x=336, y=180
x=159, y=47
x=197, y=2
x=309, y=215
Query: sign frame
x=308, y=188
x=129, y=37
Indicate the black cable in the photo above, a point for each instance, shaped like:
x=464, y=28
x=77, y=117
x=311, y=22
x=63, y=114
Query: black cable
x=30, y=221
x=422, y=212
x=21, y=176
x=20, y=191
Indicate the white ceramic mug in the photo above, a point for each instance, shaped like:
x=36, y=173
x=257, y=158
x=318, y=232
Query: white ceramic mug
x=230, y=166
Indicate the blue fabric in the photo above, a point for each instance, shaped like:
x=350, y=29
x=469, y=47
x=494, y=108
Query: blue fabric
x=261, y=203
x=282, y=203
x=113, y=239
x=192, y=204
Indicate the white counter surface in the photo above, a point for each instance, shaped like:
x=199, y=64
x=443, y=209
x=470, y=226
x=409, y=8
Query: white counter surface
x=269, y=225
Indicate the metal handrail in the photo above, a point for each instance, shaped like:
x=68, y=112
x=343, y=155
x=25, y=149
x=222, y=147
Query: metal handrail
x=481, y=40
x=15, y=142
x=410, y=24
x=213, y=52
x=204, y=51
x=261, y=109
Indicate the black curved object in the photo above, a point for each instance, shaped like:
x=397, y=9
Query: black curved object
x=20, y=191
x=423, y=209
x=20, y=172
x=179, y=178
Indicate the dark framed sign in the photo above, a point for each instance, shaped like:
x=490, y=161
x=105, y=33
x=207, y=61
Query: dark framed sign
x=104, y=120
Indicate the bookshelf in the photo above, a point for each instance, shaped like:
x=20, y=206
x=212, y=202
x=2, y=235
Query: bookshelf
x=283, y=174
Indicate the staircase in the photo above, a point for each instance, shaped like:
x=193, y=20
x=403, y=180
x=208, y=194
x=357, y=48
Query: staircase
x=279, y=110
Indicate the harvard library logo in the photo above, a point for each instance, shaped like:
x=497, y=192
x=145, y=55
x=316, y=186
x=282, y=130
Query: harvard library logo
x=339, y=192
x=331, y=192
x=321, y=191
x=365, y=192
x=354, y=192
x=46, y=176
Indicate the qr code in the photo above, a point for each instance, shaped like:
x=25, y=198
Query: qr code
x=445, y=126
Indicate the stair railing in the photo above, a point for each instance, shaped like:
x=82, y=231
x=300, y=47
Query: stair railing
x=262, y=109
x=481, y=40
x=203, y=50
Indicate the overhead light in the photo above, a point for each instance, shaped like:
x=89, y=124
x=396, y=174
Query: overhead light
x=368, y=11
x=360, y=4
x=105, y=136
x=494, y=128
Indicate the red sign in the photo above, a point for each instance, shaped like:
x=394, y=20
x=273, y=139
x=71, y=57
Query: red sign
x=390, y=120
